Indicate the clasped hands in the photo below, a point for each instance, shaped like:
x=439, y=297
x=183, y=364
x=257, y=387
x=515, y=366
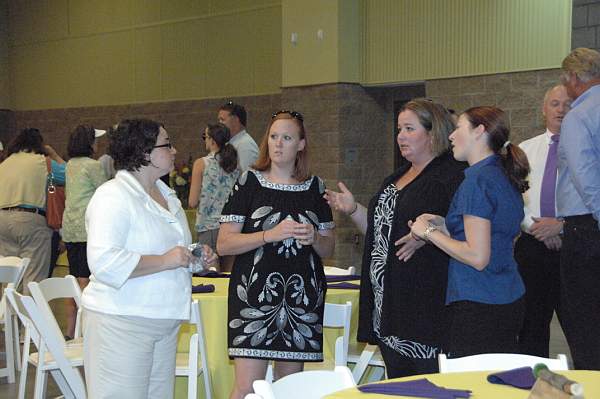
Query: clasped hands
x=547, y=230
x=414, y=240
x=288, y=228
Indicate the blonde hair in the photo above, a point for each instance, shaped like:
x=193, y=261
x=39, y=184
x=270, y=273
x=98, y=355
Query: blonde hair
x=584, y=63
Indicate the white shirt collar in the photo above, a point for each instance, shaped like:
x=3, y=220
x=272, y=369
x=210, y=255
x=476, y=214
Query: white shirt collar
x=238, y=136
x=129, y=180
x=549, y=135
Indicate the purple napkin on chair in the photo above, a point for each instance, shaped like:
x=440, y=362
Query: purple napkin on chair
x=331, y=279
x=203, y=288
x=421, y=388
x=519, y=378
x=344, y=285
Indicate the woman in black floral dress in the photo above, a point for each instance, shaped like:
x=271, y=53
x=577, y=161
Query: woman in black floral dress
x=279, y=226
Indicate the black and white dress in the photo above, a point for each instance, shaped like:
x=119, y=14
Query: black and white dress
x=277, y=291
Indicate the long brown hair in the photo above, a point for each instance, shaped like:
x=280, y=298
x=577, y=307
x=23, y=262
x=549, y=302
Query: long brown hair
x=301, y=169
x=514, y=160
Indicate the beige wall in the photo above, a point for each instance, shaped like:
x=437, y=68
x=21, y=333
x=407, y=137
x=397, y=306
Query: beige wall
x=87, y=53
x=416, y=40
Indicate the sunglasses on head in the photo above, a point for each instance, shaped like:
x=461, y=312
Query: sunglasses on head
x=293, y=114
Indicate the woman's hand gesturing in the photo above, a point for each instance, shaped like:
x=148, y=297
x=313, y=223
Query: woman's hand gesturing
x=342, y=201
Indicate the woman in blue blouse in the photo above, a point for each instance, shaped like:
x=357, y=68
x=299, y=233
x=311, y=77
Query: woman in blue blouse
x=485, y=289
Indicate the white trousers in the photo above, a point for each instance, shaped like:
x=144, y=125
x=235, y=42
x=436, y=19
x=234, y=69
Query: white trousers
x=129, y=357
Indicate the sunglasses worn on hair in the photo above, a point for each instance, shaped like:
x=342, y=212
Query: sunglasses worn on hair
x=168, y=145
x=293, y=114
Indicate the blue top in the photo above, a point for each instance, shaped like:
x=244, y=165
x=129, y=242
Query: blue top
x=578, y=183
x=486, y=192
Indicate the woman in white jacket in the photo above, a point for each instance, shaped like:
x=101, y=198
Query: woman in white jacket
x=140, y=286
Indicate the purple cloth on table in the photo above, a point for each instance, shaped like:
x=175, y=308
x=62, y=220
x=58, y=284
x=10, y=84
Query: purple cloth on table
x=331, y=279
x=344, y=285
x=421, y=388
x=212, y=274
x=519, y=378
x=203, y=288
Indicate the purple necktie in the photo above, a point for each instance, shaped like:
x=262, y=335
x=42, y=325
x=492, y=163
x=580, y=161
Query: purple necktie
x=548, y=193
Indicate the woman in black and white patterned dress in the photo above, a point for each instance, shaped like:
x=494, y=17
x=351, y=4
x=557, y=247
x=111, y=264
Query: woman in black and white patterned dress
x=279, y=226
x=402, y=298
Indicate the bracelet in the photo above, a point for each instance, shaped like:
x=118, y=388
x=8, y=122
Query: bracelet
x=355, y=209
x=430, y=229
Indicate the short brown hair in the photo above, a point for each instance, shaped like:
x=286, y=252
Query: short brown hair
x=436, y=120
x=301, y=169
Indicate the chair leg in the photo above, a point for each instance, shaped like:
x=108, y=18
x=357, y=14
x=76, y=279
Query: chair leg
x=17, y=343
x=24, y=365
x=192, y=385
x=9, y=343
x=62, y=384
x=40, y=384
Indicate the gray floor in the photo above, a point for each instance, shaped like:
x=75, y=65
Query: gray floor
x=557, y=345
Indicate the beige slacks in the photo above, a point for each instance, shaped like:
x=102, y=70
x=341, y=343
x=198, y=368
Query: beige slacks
x=27, y=235
x=129, y=357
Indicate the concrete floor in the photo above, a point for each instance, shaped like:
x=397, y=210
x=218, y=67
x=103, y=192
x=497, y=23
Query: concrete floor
x=558, y=345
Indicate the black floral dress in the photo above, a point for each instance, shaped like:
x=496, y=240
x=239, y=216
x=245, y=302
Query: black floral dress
x=277, y=291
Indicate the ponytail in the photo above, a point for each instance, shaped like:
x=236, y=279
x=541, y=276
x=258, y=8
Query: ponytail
x=228, y=158
x=227, y=154
x=514, y=160
x=516, y=166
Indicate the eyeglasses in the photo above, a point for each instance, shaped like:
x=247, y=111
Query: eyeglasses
x=293, y=114
x=168, y=145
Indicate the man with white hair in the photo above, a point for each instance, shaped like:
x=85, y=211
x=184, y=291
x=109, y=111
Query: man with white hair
x=578, y=201
x=537, y=249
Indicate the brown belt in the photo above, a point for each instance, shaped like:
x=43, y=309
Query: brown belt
x=24, y=209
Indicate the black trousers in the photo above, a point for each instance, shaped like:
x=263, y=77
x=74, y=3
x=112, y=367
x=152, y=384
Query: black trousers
x=580, y=290
x=540, y=270
x=483, y=328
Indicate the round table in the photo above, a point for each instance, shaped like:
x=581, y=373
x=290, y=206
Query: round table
x=480, y=387
x=214, y=316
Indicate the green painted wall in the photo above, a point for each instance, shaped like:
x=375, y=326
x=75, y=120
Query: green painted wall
x=66, y=53
x=412, y=40
x=5, y=97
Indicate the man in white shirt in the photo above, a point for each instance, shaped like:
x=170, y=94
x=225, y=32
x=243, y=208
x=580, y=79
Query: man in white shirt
x=234, y=117
x=537, y=249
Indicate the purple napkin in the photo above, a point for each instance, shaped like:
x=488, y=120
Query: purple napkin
x=331, y=279
x=421, y=388
x=343, y=285
x=203, y=288
x=212, y=274
x=519, y=378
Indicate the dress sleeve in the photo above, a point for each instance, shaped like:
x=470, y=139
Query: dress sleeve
x=237, y=206
x=475, y=198
x=323, y=211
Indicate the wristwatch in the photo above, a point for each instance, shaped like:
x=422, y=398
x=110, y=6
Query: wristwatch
x=430, y=229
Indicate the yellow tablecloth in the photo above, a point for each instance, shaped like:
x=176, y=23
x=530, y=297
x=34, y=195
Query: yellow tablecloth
x=214, y=316
x=477, y=383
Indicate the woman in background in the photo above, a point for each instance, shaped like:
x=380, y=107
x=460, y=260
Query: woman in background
x=83, y=176
x=485, y=290
x=213, y=177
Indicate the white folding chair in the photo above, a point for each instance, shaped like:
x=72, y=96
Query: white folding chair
x=188, y=365
x=338, y=271
x=12, y=270
x=306, y=384
x=57, y=288
x=370, y=356
x=53, y=355
x=334, y=316
x=498, y=361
